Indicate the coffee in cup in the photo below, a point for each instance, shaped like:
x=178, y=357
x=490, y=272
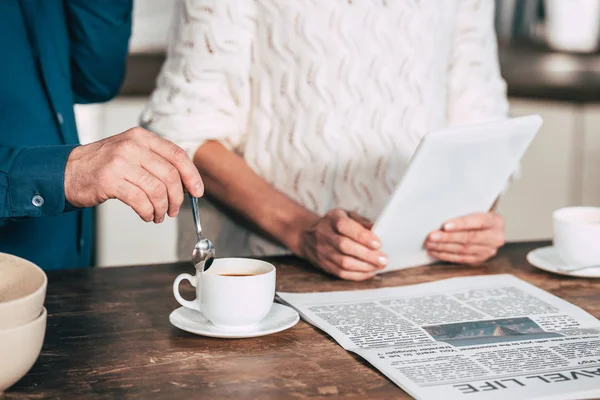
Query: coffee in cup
x=577, y=235
x=232, y=293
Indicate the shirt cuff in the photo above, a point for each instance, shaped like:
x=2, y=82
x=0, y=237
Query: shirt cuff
x=36, y=181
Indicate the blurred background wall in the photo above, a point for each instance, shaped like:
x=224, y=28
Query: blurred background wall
x=549, y=58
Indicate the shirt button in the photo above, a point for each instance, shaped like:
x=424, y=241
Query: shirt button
x=60, y=118
x=81, y=243
x=37, y=200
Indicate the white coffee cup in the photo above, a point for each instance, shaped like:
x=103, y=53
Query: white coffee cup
x=227, y=300
x=577, y=235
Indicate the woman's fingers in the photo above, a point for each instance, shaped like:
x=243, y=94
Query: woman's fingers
x=468, y=259
x=353, y=245
x=461, y=249
x=346, y=246
x=476, y=221
x=350, y=263
x=470, y=240
x=342, y=246
x=367, y=223
x=344, y=225
x=336, y=270
x=488, y=237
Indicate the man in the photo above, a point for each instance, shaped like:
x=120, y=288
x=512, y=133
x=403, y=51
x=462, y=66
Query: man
x=56, y=54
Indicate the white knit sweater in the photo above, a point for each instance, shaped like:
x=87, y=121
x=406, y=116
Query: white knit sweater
x=325, y=99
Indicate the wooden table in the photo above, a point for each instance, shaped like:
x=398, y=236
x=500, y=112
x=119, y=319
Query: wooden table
x=109, y=336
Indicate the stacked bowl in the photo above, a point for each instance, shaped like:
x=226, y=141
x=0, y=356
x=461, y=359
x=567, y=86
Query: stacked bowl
x=22, y=317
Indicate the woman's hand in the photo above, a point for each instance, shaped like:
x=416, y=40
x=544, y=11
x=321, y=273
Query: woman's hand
x=342, y=244
x=470, y=240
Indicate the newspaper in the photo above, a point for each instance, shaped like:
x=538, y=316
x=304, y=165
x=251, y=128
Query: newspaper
x=492, y=337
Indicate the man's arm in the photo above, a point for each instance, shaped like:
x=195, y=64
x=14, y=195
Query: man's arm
x=137, y=167
x=32, y=181
x=99, y=33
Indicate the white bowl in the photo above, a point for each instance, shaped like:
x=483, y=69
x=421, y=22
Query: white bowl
x=22, y=291
x=19, y=348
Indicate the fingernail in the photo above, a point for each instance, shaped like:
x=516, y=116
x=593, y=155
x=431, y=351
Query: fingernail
x=435, y=236
x=382, y=260
x=449, y=226
x=431, y=245
x=199, y=188
x=375, y=244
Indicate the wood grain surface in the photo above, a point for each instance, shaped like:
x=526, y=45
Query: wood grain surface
x=108, y=336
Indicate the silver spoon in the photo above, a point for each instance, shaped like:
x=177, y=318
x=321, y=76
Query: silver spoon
x=203, y=254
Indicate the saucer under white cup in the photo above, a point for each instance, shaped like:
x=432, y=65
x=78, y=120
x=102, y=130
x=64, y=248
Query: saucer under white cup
x=576, y=243
x=279, y=319
x=548, y=259
x=234, y=298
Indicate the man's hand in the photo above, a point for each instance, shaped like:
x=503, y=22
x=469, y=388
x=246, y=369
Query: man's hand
x=469, y=240
x=137, y=167
x=342, y=244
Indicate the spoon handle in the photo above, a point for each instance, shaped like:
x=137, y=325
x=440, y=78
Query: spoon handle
x=196, y=216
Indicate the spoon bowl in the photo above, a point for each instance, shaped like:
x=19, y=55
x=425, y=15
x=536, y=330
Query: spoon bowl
x=203, y=253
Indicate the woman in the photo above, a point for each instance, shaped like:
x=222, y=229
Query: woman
x=305, y=114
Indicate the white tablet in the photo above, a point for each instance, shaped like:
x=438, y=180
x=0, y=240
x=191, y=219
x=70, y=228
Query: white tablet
x=454, y=172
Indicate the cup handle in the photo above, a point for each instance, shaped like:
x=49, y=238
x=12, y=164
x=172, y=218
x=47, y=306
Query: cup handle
x=187, y=304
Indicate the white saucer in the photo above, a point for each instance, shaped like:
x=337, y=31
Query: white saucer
x=547, y=259
x=279, y=318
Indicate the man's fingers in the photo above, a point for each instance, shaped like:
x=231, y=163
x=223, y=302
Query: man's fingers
x=457, y=258
x=179, y=158
x=461, y=249
x=135, y=198
x=154, y=188
x=477, y=221
x=169, y=175
x=346, y=226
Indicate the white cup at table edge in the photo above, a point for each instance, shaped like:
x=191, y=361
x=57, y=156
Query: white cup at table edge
x=231, y=302
x=577, y=235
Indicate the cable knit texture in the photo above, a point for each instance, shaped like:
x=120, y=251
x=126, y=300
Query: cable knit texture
x=325, y=99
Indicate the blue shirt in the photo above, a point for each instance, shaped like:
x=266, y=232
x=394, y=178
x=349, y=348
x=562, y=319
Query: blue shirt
x=54, y=54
